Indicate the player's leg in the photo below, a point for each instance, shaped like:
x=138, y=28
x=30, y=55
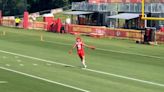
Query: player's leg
x=82, y=58
x=83, y=61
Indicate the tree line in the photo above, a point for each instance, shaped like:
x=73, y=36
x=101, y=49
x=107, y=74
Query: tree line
x=17, y=7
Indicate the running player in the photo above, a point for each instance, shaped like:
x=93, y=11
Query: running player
x=80, y=50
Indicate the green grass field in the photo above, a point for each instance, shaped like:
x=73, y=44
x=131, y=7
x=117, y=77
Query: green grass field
x=30, y=65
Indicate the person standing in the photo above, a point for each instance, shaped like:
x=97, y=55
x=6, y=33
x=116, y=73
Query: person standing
x=80, y=50
x=162, y=28
x=17, y=21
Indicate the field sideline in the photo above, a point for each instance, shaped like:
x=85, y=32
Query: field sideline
x=30, y=65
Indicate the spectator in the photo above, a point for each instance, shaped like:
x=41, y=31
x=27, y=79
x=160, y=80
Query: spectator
x=33, y=17
x=52, y=27
x=147, y=35
x=162, y=28
x=63, y=29
x=17, y=21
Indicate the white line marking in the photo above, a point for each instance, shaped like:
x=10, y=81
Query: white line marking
x=21, y=64
x=19, y=61
x=8, y=65
x=4, y=57
x=43, y=79
x=143, y=55
x=48, y=64
x=34, y=58
x=2, y=82
x=125, y=77
x=34, y=64
x=91, y=70
x=16, y=57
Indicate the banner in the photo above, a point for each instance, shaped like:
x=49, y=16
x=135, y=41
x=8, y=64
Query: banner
x=134, y=35
x=37, y=25
x=103, y=31
x=82, y=29
x=160, y=37
x=8, y=22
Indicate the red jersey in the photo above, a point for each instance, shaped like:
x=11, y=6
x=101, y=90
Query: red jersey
x=162, y=29
x=79, y=46
x=80, y=49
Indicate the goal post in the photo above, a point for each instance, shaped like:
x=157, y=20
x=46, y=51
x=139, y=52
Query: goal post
x=150, y=32
x=148, y=18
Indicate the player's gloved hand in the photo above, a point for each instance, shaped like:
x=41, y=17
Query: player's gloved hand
x=93, y=47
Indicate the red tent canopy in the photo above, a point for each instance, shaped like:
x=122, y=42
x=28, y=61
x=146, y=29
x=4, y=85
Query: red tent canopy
x=59, y=25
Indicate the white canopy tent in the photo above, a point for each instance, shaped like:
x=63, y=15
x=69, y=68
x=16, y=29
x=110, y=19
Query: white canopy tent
x=76, y=13
x=126, y=16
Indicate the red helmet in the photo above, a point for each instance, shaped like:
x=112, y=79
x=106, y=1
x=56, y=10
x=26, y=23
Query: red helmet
x=78, y=38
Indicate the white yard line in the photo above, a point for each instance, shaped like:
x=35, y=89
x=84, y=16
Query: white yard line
x=2, y=82
x=43, y=79
x=125, y=77
x=91, y=70
x=143, y=55
x=34, y=58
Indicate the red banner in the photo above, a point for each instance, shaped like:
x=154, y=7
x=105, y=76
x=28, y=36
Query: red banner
x=103, y=31
x=160, y=37
x=25, y=20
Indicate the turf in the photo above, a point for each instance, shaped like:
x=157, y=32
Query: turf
x=113, y=56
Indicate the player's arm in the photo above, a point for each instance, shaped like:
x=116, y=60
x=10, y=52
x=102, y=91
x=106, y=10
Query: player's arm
x=88, y=46
x=70, y=51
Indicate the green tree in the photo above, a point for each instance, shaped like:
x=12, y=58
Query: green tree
x=39, y=5
x=17, y=7
x=12, y=7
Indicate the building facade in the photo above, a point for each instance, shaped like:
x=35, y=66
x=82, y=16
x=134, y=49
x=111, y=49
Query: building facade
x=104, y=8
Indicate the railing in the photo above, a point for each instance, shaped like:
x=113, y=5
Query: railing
x=124, y=1
x=120, y=7
x=94, y=7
